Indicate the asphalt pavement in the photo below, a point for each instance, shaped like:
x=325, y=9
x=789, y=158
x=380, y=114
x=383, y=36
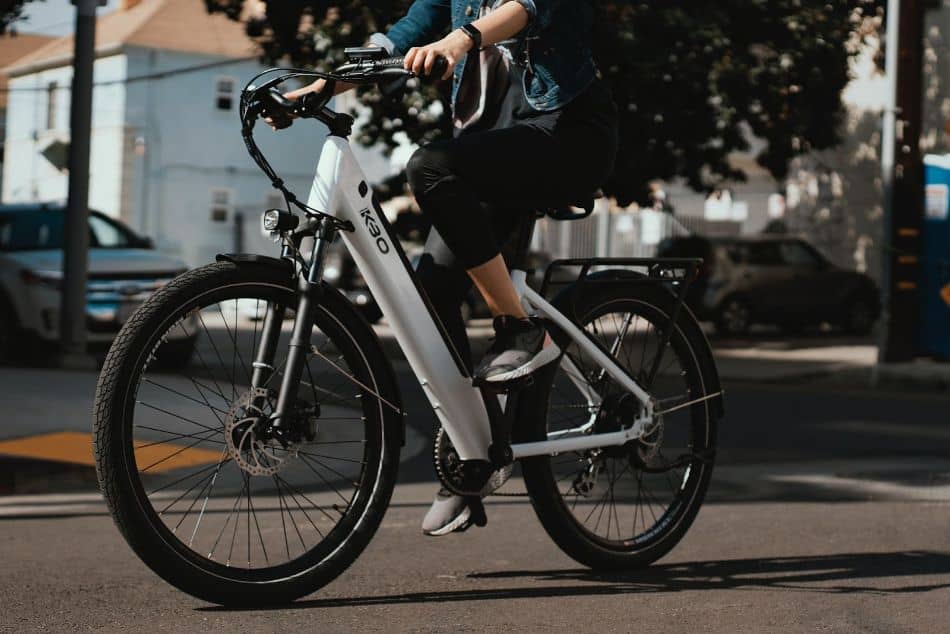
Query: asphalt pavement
x=829, y=510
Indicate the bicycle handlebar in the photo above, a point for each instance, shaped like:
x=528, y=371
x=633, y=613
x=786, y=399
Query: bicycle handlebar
x=267, y=101
x=366, y=66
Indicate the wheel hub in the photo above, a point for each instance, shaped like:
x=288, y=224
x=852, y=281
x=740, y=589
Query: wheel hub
x=250, y=438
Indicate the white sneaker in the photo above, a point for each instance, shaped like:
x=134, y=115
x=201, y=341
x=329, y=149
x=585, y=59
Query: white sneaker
x=448, y=513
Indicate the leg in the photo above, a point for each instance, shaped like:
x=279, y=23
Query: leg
x=519, y=167
x=494, y=283
x=447, y=286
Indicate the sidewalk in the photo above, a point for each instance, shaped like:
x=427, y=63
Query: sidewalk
x=841, y=361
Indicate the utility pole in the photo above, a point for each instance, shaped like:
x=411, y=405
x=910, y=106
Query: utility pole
x=903, y=179
x=72, y=323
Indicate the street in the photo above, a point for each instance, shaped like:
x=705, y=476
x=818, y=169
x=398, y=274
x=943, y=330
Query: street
x=828, y=510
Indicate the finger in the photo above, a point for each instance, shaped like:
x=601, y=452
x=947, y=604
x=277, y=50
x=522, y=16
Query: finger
x=418, y=63
x=408, y=59
x=316, y=86
x=429, y=61
x=449, y=69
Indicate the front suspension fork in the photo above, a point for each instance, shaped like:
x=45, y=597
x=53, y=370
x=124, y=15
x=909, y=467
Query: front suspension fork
x=309, y=294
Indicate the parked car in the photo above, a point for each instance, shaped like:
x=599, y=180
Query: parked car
x=124, y=269
x=774, y=280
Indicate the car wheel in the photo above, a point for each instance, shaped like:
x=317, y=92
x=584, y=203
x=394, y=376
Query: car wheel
x=734, y=317
x=859, y=317
x=7, y=337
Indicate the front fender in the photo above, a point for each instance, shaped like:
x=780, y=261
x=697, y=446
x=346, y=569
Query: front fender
x=337, y=304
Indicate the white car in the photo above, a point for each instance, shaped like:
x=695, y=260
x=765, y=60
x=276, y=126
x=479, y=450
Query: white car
x=124, y=268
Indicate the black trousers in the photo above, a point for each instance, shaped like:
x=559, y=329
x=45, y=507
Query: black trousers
x=476, y=187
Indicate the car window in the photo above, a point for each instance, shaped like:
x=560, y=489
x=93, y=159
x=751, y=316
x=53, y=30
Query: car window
x=30, y=230
x=797, y=254
x=107, y=235
x=763, y=254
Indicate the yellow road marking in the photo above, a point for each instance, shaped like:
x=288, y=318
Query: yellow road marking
x=76, y=448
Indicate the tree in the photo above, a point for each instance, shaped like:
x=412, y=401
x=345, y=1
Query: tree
x=11, y=12
x=692, y=79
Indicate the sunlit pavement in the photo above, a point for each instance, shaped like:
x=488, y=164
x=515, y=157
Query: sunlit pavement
x=829, y=509
x=841, y=567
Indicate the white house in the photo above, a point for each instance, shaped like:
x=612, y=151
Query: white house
x=167, y=154
x=13, y=47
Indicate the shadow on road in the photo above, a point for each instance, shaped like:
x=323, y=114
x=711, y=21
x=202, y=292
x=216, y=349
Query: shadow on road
x=852, y=573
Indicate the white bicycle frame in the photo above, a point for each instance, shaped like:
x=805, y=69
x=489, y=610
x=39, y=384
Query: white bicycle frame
x=339, y=189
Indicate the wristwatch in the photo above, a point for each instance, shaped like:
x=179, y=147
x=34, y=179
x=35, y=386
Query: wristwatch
x=472, y=31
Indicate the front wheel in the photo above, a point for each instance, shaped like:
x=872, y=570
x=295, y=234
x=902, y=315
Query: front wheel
x=625, y=507
x=199, y=485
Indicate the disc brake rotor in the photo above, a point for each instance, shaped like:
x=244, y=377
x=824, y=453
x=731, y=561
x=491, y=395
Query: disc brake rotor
x=254, y=452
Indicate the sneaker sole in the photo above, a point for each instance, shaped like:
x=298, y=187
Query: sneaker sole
x=452, y=526
x=546, y=356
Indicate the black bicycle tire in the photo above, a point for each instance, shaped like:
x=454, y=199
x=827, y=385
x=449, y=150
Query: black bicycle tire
x=546, y=498
x=110, y=445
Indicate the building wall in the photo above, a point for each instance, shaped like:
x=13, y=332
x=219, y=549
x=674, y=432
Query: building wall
x=161, y=150
x=28, y=176
x=182, y=150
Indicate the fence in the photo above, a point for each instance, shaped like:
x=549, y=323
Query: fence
x=621, y=234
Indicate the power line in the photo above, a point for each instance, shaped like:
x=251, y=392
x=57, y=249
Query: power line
x=148, y=77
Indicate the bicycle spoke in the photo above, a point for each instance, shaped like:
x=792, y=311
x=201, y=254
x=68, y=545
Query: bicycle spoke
x=306, y=461
x=178, y=416
x=170, y=456
x=213, y=511
x=174, y=436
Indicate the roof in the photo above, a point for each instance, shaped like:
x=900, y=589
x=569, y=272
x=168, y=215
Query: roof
x=176, y=25
x=14, y=47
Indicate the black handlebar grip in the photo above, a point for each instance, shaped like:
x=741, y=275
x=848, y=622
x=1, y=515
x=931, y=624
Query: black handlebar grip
x=438, y=68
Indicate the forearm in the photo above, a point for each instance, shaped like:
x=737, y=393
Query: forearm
x=503, y=23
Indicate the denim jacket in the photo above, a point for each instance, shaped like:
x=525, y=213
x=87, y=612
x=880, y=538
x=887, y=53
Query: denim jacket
x=554, y=48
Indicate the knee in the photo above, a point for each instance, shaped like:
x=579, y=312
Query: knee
x=428, y=166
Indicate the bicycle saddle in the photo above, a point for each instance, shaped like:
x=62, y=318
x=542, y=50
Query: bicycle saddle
x=568, y=212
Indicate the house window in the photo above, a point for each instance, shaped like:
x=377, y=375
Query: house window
x=224, y=93
x=220, y=204
x=51, y=105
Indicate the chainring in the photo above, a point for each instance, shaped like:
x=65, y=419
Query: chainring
x=448, y=466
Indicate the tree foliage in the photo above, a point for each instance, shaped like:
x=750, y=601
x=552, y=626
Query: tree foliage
x=694, y=80
x=10, y=13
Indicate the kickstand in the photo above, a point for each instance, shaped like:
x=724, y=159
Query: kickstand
x=475, y=505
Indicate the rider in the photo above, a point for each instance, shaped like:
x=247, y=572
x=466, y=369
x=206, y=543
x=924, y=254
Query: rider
x=535, y=126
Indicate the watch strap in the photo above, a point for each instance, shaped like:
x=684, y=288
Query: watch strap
x=472, y=31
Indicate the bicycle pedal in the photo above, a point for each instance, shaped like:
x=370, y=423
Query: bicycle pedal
x=514, y=385
x=478, y=516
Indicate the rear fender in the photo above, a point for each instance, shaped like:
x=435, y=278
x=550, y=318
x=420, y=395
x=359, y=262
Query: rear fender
x=687, y=322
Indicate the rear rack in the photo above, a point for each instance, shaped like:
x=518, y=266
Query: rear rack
x=676, y=273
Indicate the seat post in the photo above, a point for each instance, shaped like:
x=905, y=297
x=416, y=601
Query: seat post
x=520, y=244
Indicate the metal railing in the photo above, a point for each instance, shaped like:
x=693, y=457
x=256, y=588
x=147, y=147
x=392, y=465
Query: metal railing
x=625, y=233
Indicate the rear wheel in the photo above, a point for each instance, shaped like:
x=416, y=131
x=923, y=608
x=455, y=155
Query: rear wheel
x=200, y=488
x=625, y=507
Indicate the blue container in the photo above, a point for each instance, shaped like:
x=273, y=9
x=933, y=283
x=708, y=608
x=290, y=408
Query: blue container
x=935, y=282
